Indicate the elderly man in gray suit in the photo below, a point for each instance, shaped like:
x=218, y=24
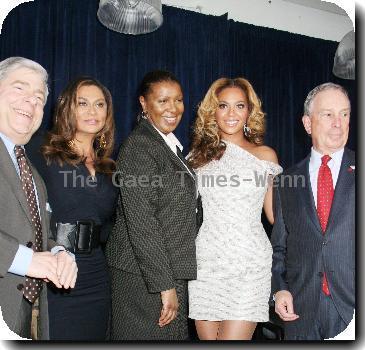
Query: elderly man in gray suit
x=25, y=262
x=313, y=280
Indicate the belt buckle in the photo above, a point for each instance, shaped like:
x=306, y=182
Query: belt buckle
x=90, y=224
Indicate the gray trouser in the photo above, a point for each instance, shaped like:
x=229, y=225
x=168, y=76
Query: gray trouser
x=23, y=324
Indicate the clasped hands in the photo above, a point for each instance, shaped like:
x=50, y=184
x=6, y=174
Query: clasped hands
x=60, y=269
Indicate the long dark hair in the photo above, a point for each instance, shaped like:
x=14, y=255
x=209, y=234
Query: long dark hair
x=58, y=146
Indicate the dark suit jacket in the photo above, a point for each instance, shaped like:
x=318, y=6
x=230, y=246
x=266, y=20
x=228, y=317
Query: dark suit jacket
x=155, y=230
x=301, y=252
x=16, y=228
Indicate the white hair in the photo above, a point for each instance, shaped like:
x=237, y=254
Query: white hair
x=313, y=93
x=10, y=64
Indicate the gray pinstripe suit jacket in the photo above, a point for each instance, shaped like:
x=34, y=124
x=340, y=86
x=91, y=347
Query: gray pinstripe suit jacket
x=155, y=230
x=302, y=252
x=16, y=228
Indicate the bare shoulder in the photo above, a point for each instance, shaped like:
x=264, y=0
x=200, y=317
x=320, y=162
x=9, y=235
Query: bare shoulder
x=266, y=153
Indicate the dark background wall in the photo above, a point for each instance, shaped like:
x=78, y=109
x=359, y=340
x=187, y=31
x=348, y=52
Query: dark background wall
x=66, y=37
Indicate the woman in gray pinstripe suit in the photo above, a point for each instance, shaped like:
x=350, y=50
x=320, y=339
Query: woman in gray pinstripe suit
x=151, y=251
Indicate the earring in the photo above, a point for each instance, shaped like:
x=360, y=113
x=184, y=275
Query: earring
x=102, y=141
x=144, y=115
x=246, y=130
x=71, y=143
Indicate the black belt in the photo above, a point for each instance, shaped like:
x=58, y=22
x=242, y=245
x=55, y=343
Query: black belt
x=78, y=238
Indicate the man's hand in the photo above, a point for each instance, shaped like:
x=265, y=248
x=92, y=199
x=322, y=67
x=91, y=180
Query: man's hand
x=66, y=270
x=284, y=305
x=170, y=305
x=44, y=266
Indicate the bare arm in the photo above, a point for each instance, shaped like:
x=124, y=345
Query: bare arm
x=267, y=153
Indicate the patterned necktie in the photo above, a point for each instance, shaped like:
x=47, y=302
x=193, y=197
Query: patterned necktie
x=199, y=206
x=324, y=202
x=32, y=286
x=182, y=158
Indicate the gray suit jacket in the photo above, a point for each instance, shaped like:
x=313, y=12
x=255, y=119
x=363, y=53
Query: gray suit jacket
x=16, y=228
x=155, y=230
x=301, y=252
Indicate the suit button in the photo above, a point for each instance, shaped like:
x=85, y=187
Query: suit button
x=29, y=244
x=320, y=274
x=325, y=242
x=20, y=286
x=196, y=210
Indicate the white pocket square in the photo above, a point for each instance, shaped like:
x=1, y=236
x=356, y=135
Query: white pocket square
x=48, y=207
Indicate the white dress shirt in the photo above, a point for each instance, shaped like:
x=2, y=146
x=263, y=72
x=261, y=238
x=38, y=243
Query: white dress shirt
x=173, y=142
x=314, y=164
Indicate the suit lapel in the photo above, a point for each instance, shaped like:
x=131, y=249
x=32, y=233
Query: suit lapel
x=167, y=149
x=306, y=194
x=345, y=180
x=10, y=175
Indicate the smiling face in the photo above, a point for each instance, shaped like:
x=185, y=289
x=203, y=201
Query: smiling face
x=22, y=99
x=91, y=110
x=329, y=119
x=232, y=112
x=164, y=105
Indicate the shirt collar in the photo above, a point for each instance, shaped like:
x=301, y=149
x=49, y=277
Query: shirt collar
x=317, y=161
x=8, y=144
x=170, y=139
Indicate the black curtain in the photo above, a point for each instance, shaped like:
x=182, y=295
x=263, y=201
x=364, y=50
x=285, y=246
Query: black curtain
x=66, y=37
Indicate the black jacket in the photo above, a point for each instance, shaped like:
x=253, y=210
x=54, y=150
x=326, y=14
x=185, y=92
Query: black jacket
x=155, y=230
x=301, y=252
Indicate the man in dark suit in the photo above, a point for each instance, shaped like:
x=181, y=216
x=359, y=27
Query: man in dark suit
x=24, y=260
x=313, y=238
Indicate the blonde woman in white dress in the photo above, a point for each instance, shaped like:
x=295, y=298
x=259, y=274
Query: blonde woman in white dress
x=234, y=169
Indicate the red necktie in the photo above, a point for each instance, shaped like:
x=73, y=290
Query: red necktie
x=324, y=202
x=33, y=286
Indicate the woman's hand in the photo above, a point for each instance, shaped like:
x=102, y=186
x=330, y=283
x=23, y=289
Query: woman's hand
x=170, y=304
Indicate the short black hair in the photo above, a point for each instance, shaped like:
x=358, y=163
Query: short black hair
x=153, y=77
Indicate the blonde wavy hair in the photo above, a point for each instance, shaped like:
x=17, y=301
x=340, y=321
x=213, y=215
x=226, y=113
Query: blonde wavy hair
x=207, y=144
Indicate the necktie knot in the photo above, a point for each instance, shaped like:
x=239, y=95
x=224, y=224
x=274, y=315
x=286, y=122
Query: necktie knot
x=325, y=159
x=178, y=152
x=19, y=151
x=185, y=162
